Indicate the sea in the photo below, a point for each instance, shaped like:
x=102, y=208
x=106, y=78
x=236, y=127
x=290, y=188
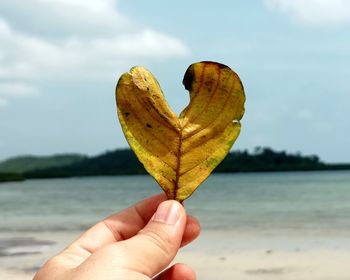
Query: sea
x=270, y=224
x=307, y=203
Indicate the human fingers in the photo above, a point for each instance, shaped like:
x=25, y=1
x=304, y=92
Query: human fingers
x=177, y=272
x=126, y=224
x=151, y=250
x=192, y=230
x=119, y=226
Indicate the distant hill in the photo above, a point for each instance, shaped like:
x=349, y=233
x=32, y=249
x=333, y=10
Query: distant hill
x=23, y=164
x=124, y=161
x=110, y=163
x=9, y=177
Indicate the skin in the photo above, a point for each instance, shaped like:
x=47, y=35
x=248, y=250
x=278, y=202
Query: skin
x=138, y=243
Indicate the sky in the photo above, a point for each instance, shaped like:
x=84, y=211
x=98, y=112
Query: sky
x=61, y=59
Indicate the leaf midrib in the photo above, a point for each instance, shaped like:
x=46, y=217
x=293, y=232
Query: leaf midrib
x=178, y=164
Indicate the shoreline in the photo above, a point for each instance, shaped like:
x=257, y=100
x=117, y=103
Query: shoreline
x=236, y=256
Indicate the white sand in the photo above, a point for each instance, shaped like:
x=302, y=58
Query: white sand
x=315, y=265
x=227, y=256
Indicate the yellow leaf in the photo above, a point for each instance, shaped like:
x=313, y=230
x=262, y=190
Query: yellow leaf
x=181, y=152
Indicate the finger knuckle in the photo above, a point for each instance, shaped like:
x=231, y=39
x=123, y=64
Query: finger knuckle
x=162, y=240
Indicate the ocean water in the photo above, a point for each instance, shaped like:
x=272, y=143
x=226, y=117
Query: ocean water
x=304, y=203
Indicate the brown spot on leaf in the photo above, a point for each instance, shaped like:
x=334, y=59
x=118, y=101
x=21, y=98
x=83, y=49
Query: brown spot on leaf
x=188, y=78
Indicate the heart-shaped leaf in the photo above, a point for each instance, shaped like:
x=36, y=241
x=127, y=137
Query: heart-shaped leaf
x=181, y=152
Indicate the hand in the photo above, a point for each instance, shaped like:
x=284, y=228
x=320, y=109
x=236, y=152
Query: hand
x=135, y=244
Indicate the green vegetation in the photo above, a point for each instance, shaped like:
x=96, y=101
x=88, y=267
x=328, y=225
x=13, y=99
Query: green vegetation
x=7, y=177
x=29, y=163
x=120, y=162
x=125, y=162
x=266, y=159
x=110, y=163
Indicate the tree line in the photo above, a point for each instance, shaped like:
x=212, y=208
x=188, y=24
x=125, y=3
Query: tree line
x=124, y=162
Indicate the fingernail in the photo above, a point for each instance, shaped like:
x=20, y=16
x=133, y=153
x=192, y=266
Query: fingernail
x=168, y=212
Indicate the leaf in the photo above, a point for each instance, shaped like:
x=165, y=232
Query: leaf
x=181, y=152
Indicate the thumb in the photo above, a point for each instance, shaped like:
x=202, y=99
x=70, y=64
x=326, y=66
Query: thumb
x=154, y=247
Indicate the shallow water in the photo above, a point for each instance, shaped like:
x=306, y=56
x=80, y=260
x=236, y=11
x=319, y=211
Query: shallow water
x=303, y=203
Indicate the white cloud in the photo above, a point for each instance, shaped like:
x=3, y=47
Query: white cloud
x=62, y=39
x=314, y=12
x=32, y=57
x=58, y=18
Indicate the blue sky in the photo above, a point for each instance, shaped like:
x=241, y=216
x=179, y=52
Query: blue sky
x=60, y=61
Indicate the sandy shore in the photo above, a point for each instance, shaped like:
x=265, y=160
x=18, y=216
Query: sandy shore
x=216, y=255
x=316, y=265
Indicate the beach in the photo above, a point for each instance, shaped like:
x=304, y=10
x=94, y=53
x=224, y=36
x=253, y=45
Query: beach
x=285, y=226
x=214, y=255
